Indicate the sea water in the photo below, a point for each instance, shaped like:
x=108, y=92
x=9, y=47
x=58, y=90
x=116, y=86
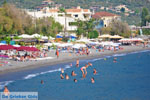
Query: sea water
x=127, y=79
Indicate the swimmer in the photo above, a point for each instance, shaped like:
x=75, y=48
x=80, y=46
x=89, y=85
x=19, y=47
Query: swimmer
x=71, y=64
x=115, y=60
x=77, y=63
x=62, y=70
x=42, y=82
x=73, y=73
x=67, y=77
x=75, y=80
x=92, y=80
x=94, y=71
x=90, y=64
x=61, y=76
x=6, y=91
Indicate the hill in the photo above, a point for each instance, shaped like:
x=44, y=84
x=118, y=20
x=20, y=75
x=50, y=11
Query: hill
x=134, y=5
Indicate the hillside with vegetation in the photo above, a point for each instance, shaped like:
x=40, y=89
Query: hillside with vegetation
x=134, y=5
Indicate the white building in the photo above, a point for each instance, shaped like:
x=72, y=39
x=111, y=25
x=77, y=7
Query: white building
x=72, y=15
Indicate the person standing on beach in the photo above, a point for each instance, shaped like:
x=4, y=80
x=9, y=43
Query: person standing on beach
x=57, y=53
x=77, y=63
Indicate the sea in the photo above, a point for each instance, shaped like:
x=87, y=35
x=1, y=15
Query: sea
x=126, y=79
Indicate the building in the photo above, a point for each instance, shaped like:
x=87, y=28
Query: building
x=118, y=8
x=105, y=18
x=71, y=15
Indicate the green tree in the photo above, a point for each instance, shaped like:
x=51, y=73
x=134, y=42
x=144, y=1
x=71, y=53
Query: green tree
x=93, y=34
x=143, y=16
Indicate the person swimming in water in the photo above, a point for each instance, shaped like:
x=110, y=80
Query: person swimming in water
x=71, y=64
x=62, y=70
x=90, y=64
x=67, y=77
x=73, y=73
x=92, y=80
x=6, y=91
x=75, y=80
x=42, y=82
x=115, y=60
x=94, y=71
x=61, y=76
x=77, y=63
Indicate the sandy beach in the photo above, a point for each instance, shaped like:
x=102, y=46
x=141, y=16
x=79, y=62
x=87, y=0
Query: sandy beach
x=14, y=66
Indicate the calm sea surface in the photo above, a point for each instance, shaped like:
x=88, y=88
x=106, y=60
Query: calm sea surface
x=127, y=79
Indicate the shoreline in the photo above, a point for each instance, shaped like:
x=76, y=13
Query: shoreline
x=66, y=59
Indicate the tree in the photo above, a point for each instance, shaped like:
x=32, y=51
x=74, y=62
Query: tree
x=143, y=16
x=117, y=28
x=147, y=18
x=93, y=34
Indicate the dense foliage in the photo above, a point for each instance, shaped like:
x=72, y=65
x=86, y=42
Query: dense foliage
x=16, y=21
x=117, y=28
x=87, y=29
x=135, y=5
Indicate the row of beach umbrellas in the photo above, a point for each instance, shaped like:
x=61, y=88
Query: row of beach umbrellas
x=21, y=48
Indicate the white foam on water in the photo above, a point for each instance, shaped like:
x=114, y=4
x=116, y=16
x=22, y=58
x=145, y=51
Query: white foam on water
x=31, y=76
x=117, y=55
x=41, y=73
x=5, y=83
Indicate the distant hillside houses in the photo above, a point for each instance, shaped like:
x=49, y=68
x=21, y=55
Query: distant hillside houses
x=104, y=18
x=72, y=15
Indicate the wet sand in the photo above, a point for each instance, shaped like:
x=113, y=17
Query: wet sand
x=15, y=66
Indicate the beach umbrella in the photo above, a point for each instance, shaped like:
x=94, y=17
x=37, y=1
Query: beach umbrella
x=4, y=56
x=48, y=44
x=6, y=47
x=105, y=36
x=2, y=44
x=83, y=40
x=116, y=37
x=36, y=35
x=25, y=36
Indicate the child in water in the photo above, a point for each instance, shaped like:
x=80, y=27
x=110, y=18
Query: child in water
x=75, y=80
x=94, y=71
x=67, y=77
x=42, y=82
x=92, y=80
x=61, y=76
x=73, y=73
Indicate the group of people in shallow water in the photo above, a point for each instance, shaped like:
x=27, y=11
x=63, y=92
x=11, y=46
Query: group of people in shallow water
x=83, y=70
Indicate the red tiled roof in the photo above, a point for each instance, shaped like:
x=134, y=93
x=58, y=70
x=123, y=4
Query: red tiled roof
x=73, y=10
x=53, y=10
x=85, y=10
x=103, y=14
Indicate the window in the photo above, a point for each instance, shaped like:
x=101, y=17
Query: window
x=75, y=15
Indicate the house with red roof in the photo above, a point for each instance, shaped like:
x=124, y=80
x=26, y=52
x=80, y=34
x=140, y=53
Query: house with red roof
x=105, y=18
